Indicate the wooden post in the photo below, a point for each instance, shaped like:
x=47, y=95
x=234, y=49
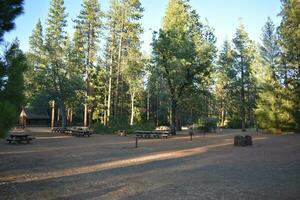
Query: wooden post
x=85, y=115
x=71, y=117
x=52, y=113
x=191, y=133
x=148, y=105
x=136, y=142
x=58, y=114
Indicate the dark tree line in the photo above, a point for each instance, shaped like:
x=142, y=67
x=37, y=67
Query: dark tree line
x=98, y=75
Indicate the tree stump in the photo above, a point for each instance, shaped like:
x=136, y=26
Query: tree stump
x=242, y=140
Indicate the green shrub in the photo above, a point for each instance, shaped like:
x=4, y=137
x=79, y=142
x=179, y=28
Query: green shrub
x=8, y=117
x=234, y=123
x=207, y=124
x=121, y=123
x=101, y=129
x=144, y=126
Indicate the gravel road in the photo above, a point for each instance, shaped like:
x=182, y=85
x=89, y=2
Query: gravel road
x=109, y=167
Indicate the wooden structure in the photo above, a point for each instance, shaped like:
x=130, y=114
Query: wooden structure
x=30, y=118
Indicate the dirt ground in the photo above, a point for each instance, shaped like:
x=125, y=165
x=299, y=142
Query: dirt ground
x=109, y=167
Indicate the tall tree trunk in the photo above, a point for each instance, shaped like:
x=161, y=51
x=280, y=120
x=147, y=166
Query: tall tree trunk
x=104, y=120
x=132, y=108
x=122, y=96
x=148, y=105
x=90, y=116
x=119, y=66
x=58, y=115
x=109, y=87
x=243, y=113
x=52, y=114
x=116, y=101
x=174, y=115
x=63, y=113
x=178, y=122
x=85, y=115
x=88, y=61
x=222, y=112
x=68, y=116
x=71, y=117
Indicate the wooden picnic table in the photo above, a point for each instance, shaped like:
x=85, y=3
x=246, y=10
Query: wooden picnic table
x=76, y=131
x=151, y=134
x=19, y=137
x=81, y=132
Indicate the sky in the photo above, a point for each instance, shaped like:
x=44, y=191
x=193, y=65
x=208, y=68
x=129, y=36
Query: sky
x=222, y=15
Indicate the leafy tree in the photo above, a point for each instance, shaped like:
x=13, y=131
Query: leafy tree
x=123, y=59
x=132, y=59
x=184, y=51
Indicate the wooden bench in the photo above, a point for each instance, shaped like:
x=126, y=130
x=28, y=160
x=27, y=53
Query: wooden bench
x=58, y=130
x=81, y=132
x=151, y=134
x=19, y=138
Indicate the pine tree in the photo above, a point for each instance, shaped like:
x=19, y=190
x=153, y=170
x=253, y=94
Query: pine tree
x=271, y=113
x=12, y=86
x=36, y=39
x=113, y=16
x=12, y=66
x=243, y=56
x=9, y=10
x=270, y=49
x=225, y=65
x=289, y=40
x=89, y=26
x=290, y=33
x=56, y=69
x=35, y=58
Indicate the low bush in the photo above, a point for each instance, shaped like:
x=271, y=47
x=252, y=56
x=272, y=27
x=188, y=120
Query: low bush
x=207, y=124
x=122, y=123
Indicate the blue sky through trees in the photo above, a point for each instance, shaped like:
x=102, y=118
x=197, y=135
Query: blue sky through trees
x=223, y=15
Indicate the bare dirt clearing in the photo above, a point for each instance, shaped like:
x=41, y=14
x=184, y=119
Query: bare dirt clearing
x=108, y=167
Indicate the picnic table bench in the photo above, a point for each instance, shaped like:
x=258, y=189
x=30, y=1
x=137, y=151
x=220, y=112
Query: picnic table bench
x=151, y=134
x=19, y=138
x=76, y=131
x=81, y=131
x=59, y=130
